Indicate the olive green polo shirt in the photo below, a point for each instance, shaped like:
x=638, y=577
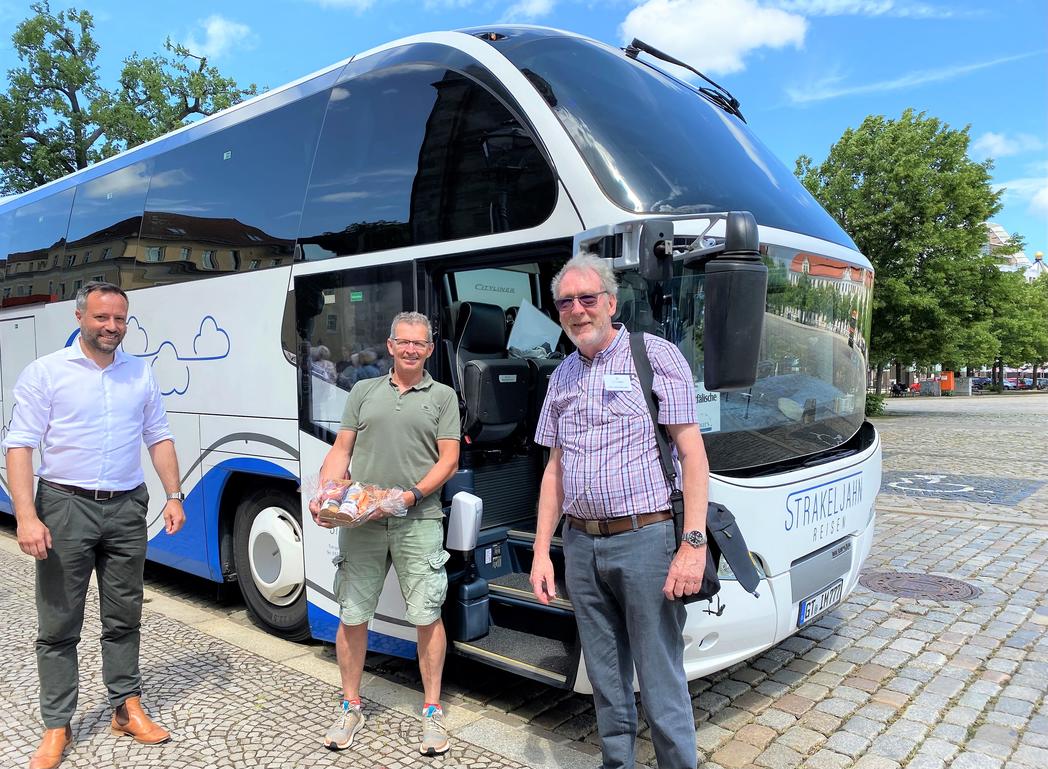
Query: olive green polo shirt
x=397, y=434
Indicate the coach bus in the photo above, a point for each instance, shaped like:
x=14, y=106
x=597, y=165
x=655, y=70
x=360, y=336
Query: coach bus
x=266, y=248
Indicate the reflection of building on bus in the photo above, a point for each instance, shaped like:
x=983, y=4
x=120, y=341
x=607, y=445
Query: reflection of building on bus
x=168, y=248
x=268, y=247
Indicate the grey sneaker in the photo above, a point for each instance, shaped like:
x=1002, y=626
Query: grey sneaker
x=350, y=721
x=434, y=732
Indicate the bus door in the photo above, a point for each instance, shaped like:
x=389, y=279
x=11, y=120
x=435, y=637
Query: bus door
x=342, y=322
x=17, y=350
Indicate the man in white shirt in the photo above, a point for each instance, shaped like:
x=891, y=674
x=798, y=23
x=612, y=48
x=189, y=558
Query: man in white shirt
x=89, y=407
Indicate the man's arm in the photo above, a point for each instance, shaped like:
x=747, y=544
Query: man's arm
x=34, y=538
x=551, y=501
x=685, y=575
x=445, y=467
x=334, y=467
x=165, y=462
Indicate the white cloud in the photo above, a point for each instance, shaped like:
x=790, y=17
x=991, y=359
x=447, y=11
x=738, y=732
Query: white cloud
x=869, y=8
x=830, y=87
x=714, y=36
x=1039, y=202
x=995, y=145
x=528, y=10
x=1032, y=190
x=221, y=37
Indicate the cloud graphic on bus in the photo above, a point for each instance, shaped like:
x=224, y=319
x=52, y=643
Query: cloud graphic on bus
x=169, y=370
x=136, y=341
x=211, y=341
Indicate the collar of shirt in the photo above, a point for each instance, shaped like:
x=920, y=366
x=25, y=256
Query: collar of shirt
x=422, y=384
x=75, y=351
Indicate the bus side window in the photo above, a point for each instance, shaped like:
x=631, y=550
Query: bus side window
x=342, y=321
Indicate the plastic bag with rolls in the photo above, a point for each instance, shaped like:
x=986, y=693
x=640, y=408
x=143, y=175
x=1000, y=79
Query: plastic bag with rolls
x=350, y=503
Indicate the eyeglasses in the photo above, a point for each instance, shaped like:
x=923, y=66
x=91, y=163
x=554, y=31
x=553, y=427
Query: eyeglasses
x=413, y=344
x=565, y=303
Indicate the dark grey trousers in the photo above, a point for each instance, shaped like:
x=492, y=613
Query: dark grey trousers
x=108, y=538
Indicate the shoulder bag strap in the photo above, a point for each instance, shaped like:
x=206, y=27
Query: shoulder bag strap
x=646, y=376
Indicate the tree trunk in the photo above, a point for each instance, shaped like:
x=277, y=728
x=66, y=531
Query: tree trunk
x=877, y=381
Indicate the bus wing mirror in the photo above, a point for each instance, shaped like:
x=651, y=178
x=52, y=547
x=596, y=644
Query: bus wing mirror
x=736, y=293
x=655, y=250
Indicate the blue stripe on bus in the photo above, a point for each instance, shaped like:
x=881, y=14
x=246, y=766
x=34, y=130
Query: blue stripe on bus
x=5, y=502
x=194, y=549
x=323, y=626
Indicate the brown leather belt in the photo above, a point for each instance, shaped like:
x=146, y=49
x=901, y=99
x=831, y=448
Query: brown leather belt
x=609, y=526
x=96, y=494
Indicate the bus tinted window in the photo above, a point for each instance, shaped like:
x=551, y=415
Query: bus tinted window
x=35, y=249
x=419, y=153
x=230, y=202
x=104, y=226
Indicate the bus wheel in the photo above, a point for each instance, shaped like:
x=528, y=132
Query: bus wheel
x=267, y=549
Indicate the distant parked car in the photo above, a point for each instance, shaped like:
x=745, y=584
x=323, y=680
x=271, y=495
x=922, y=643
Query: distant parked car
x=1009, y=384
x=979, y=382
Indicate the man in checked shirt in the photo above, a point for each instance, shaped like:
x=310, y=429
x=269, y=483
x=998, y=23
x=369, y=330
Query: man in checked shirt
x=623, y=568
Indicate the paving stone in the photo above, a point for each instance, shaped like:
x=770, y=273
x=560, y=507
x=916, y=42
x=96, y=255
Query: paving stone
x=976, y=761
x=735, y=754
x=779, y=756
x=895, y=748
x=849, y=744
x=827, y=759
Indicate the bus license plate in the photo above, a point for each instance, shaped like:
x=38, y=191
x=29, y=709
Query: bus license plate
x=820, y=602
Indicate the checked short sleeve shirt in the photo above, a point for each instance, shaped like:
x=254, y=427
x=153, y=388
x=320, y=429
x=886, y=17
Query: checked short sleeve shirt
x=596, y=414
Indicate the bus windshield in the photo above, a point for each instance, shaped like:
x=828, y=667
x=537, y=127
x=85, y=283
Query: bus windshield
x=654, y=145
x=809, y=395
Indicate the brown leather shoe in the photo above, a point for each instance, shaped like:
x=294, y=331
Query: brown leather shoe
x=49, y=754
x=129, y=719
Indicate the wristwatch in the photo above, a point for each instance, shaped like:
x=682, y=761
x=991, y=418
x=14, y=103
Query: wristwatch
x=695, y=538
x=177, y=495
x=416, y=493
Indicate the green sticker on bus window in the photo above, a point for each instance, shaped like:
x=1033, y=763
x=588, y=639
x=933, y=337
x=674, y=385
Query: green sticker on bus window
x=356, y=296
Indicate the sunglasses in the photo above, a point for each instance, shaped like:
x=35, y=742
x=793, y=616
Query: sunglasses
x=565, y=303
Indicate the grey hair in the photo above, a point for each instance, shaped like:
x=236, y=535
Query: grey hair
x=414, y=319
x=101, y=287
x=588, y=262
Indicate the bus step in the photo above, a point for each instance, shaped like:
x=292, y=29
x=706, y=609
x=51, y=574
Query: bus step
x=523, y=535
x=548, y=660
x=517, y=587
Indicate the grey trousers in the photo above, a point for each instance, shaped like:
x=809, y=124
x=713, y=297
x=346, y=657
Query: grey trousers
x=108, y=538
x=625, y=622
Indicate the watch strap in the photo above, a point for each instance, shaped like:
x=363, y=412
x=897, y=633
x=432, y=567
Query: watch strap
x=416, y=494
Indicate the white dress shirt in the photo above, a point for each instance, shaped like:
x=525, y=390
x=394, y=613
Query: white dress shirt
x=89, y=422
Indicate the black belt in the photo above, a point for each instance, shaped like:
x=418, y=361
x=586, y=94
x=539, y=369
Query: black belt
x=607, y=527
x=98, y=495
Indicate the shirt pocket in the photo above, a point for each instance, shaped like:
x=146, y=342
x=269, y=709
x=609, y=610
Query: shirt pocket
x=625, y=404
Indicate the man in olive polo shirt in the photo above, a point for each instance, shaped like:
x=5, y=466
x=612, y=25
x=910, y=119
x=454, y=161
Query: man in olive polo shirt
x=403, y=430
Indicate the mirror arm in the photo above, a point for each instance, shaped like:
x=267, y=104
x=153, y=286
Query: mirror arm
x=702, y=255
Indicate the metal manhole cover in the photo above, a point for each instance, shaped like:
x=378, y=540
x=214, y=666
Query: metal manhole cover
x=910, y=585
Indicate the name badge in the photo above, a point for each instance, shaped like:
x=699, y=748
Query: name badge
x=617, y=383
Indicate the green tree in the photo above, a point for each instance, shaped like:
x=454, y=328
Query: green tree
x=56, y=118
x=916, y=205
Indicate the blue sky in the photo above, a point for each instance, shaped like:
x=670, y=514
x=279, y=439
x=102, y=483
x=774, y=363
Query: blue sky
x=804, y=70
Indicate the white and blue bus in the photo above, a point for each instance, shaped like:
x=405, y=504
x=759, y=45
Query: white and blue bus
x=266, y=248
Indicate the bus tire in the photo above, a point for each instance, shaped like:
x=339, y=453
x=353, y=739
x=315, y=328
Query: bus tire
x=269, y=559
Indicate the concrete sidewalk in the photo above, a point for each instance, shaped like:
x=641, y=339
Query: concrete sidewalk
x=234, y=697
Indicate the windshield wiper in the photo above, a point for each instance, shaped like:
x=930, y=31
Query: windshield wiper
x=719, y=95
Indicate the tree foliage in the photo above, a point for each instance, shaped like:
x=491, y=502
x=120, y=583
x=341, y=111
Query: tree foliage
x=56, y=117
x=916, y=205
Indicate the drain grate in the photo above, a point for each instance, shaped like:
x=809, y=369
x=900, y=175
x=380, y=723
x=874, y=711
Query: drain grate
x=910, y=585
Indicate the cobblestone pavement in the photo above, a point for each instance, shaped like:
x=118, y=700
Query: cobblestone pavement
x=880, y=682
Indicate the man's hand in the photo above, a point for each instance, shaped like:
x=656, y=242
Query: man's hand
x=314, y=510
x=174, y=516
x=33, y=537
x=685, y=577
x=542, y=579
